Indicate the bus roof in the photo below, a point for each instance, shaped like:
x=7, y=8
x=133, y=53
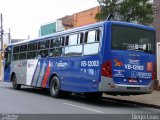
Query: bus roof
x=82, y=28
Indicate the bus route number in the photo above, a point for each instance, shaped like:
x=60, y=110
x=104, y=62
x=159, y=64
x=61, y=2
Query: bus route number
x=91, y=63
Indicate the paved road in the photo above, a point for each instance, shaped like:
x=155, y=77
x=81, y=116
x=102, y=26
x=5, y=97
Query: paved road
x=36, y=101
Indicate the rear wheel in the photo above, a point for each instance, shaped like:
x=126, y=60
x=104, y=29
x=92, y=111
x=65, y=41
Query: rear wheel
x=15, y=85
x=55, y=88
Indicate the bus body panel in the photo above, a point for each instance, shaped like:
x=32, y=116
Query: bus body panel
x=80, y=74
x=132, y=71
x=76, y=74
x=23, y=70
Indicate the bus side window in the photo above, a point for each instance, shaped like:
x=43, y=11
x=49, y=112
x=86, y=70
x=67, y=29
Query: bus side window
x=16, y=49
x=31, y=55
x=91, y=36
x=7, y=60
x=32, y=50
x=22, y=56
x=73, y=46
x=56, y=52
x=67, y=40
x=62, y=40
x=86, y=37
x=23, y=48
x=57, y=45
x=92, y=39
x=57, y=42
x=42, y=44
x=80, y=38
x=32, y=46
x=47, y=43
x=42, y=54
x=15, y=56
x=52, y=44
x=73, y=39
x=98, y=35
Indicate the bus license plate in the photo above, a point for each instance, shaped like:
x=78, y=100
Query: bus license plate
x=131, y=80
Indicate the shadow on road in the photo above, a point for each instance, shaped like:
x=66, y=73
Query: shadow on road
x=103, y=102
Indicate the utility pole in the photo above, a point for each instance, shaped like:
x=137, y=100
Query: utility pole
x=9, y=37
x=1, y=32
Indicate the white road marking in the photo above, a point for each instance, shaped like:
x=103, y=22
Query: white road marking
x=12, y=91
x=98, y=111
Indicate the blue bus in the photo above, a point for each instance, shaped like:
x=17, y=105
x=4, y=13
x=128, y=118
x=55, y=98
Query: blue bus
x=107, y=57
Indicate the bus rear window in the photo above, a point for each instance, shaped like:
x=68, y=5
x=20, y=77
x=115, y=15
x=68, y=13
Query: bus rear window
x=131, y=38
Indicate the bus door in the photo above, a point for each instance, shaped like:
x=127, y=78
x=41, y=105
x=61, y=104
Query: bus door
x=7, y=64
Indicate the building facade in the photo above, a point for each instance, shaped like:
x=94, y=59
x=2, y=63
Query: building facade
x=157, y=19
x=157, y=27
x=86, y=17
x=70, y=21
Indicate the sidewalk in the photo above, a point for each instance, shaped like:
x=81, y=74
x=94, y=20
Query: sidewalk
x=150, y=100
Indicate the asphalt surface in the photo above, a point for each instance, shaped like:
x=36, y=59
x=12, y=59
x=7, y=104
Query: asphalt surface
x=38, y=101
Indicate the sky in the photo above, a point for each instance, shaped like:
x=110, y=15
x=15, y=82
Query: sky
x=24, y=17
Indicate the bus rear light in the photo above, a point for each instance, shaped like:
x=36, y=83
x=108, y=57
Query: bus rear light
x=151, y=67
x=153, y=75
x=154, y=72
x=107, y=69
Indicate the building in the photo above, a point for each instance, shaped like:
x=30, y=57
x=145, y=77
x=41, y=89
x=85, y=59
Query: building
x=70, y=21
x=157, y=27
x=157, y=19
x=48, y=28
x=86, y=17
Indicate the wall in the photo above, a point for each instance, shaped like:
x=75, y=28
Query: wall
x=157, y=27
x=157, y=19
x=48, y=28
x=86, y=17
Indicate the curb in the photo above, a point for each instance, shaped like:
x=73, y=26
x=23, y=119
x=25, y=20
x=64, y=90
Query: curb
x=133, y=102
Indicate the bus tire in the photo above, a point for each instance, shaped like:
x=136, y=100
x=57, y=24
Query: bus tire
x=14, y=83
x=93, y=96
x=55, y=88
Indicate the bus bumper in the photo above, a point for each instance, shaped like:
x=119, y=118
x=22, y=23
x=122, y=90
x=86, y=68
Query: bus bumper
x=108, y=86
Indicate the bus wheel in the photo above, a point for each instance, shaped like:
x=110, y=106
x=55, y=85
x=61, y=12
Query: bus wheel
x=14, y=83
x=55, y=88
x=93, y=96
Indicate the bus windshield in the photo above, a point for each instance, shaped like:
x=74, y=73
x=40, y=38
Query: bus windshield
x=130, y=38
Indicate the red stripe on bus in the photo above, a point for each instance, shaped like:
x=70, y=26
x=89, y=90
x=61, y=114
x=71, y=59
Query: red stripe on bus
x=44, y=83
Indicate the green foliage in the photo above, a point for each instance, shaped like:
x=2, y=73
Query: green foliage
x=107, y=7
x=140, y=11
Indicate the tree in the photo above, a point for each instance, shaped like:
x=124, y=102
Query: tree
x=107, y=7
x=140, y=11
